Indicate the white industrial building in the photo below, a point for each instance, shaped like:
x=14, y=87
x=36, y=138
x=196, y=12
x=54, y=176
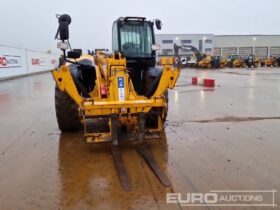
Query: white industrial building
x=262, y=46
x=203, y=42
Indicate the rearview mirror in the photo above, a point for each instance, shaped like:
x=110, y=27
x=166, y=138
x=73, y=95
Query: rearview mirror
x=74, y=54
x=158, y=24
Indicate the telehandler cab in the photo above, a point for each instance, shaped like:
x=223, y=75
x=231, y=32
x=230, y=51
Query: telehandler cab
x=251, y=61
x=124, y=88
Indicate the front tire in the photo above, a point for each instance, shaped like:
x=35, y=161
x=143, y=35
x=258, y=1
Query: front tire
x=67, y=113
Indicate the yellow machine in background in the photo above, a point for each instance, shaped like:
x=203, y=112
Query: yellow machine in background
x=222, y=62
x=124, y=89
x=238, y=63
x=269, y=62
x=212, y=62
x=234, y=61
x=206, y=62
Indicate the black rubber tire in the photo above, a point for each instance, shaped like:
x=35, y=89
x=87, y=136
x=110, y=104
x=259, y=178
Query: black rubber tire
x=67, y=113
x=152, y=115
x=151, y=88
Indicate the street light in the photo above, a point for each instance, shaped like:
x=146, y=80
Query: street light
x=204, y=40
x=254, y=43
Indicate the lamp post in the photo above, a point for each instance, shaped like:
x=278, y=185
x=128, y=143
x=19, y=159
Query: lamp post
x=177, y=38
x=254, y=44
x=204, y=42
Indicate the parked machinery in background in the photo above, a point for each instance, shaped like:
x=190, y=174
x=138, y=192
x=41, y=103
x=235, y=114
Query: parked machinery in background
x=222, y=61
x=251, y=61
x=234, y=61
x=230, y=60
x=188, y=61
x=191, y=62
x=218, y=62
x=212, y=62
x=272, y=61
x=206, y=62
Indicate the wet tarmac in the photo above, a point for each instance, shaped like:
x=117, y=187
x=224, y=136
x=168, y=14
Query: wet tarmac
x=222, y=138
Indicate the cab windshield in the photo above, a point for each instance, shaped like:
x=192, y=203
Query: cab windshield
x=136, y=39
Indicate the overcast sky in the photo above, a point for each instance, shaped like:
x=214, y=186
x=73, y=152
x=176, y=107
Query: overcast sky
x=32, y=23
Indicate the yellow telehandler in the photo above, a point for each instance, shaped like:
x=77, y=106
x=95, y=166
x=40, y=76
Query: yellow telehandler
x=124, y=89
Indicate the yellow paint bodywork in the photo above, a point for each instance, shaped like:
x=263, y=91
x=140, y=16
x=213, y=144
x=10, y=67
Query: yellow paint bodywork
x=238, y=63
x=205, y=62
x=270, y=62
x=166, y=61
x=223, y=63
x=108, y=69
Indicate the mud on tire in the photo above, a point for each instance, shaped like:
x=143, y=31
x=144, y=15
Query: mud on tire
x=67, y=114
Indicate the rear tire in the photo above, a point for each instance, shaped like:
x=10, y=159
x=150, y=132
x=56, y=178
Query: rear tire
x=152, y=116
x=67, y=113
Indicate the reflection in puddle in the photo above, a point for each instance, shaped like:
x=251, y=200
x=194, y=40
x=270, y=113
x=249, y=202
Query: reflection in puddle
x=88, y=175
x=202, y=94
x=176, y=96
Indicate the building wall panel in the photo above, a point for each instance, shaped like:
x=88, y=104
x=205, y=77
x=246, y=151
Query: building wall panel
x=15, y=61
x=261, y=52
x=229, y=51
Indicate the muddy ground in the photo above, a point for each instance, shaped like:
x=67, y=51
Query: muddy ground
x=222, y=138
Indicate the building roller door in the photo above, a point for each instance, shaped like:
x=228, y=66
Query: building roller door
x=274, y=51
x=244, y=51
x=217, y=51
x=229, y=51
x=261, y=52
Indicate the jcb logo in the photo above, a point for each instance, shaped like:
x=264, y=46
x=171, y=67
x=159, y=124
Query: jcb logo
x=35, y=61
x=3, y=61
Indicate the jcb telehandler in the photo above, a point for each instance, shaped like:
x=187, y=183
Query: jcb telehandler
x=251, y=61
x=212, y=62
x=124, y=88
x=272, y=61
x=234, y=61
